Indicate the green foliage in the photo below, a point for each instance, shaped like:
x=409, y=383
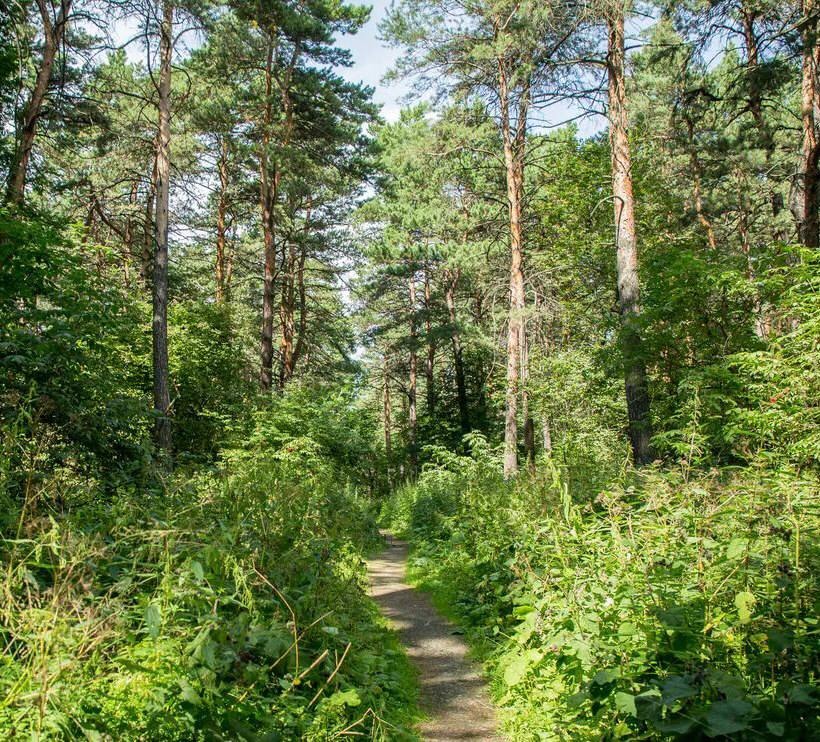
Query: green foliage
x=68, y=344
x=673, y=605
x=310, y=425
x=209, y=377
x=232, y=605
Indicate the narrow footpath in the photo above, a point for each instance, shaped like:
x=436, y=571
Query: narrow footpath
x=453, y=693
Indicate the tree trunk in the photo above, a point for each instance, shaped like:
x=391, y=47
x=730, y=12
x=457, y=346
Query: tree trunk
x=546, y=434
x=529, y=425
x=411, y=387
x=162, y=401
x=458, y=361
x=147, y=256
x=697, y=193
x=53, y=36
x=806, y=188
x=302, y=289
x=637, y=395
x=267, y=199
x=387, y=415
x=513, y=161
x=431, y=346
x=220, y=268
x=128, y=240
x=287, y=311
x=229, y=255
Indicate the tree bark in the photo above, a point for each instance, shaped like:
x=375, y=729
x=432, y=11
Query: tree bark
x=162, y=401
x=411, y=387
x=288, y=264
x=431, y=346
x=451, y=278
x=697, y=192
x=637, y=395
x=267, y=199
x=221, y=230
x=52, y=36
x=387, y=415
x=806, y=186
x=529, y=425
x=513, y=161
x=302, y=290
x=546, y=434
x=287, y=312
x=147, y=256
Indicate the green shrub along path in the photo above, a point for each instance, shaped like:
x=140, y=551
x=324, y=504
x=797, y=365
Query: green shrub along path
x=453, y=693
x=669, y=606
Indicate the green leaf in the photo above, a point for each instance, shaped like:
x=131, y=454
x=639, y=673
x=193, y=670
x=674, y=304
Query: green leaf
x=737, y=548
x=625, y=703
x=779, y=640
x=648, y=704
x=188, y=692
x=777, y=728
x=676, y=688
x=199, y=572
x=727, y=717
x=602, y=677
x=627, y=628
x=345, y=698
x=744, y=602
x=519, y=666
x=153, y=619
x=674, y=725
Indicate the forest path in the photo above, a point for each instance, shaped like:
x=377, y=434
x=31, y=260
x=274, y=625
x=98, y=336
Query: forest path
x=453, y=693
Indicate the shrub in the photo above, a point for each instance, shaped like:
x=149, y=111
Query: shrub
x=230, y=606
x=673, y=605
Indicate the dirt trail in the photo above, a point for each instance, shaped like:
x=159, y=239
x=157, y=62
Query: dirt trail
x=453, y=694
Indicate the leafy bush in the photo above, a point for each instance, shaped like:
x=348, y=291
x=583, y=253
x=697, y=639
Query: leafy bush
x=673, y=605
x=230, y=606
x=69, y=350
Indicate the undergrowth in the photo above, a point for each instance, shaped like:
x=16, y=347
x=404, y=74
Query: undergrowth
x=229, y=605
x=671, y=604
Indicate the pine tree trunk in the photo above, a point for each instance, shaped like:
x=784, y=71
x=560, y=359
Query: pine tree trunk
x=431, y=346
x=387, y=415
x=287, y=312
x=220, y=268
x=303, y=313
x=546, y=434
x=806, y=187
x=411, y=387
x=513, y=160
x=53, y=36
x=697, y=192
x=637, y=395
x=160, y=273
x=458, y=361
x=267, y=200
x=147, y=256
x=529, y=425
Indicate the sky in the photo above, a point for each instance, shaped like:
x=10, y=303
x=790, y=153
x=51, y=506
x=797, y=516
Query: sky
x=372, y=59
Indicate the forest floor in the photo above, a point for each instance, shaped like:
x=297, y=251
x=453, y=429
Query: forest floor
x=454, y=696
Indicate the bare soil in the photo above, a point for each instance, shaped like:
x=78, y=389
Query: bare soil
x=453, y=693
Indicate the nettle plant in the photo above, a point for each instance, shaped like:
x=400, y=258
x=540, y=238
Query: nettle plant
x=678, y=603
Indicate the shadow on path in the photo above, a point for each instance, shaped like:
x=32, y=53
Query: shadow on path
x=453, y=694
